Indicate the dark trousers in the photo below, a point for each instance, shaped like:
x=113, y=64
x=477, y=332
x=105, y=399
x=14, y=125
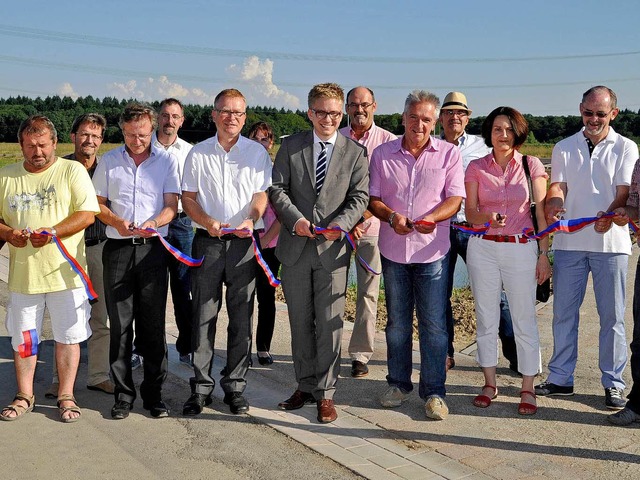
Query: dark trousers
x=634, y=396
x=459, y=241
x=266, y=295
x=135, y=284
x=181, y=237
x=228, y=262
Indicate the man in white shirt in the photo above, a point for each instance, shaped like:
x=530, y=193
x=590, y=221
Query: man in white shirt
x=590, y=175
x=170, y=120
x=224, y=186
x=454, y=118
x=360, y=106
x=137, y=187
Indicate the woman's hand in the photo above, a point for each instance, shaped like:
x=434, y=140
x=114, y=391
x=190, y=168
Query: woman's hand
x=497, y=220
x=543, y=269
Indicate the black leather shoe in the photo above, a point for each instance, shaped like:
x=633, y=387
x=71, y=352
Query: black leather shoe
x=268, y=360
x=157, y=409
x=196, y=402
x=121, y=410
x=298, y=400
x=237, y=403
x=359, y=369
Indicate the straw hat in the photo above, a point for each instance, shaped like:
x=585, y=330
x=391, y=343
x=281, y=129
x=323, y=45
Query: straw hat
x=455, y=101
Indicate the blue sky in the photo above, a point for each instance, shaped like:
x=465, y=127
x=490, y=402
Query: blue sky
x=535, y=56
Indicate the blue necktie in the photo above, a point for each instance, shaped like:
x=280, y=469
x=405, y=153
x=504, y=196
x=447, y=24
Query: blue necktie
x=321, y=167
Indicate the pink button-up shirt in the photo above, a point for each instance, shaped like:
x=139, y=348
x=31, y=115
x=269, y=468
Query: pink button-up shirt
x=414, y=187
x=269, y=218
x=372, y=138
x=505, y=192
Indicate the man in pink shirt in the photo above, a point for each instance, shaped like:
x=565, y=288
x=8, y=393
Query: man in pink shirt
x=361, y=105
x=416, y=185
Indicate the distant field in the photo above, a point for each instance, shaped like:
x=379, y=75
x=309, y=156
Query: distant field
x=10, y=152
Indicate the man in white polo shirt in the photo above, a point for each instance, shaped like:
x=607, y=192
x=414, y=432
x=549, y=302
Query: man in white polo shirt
x=590, y=175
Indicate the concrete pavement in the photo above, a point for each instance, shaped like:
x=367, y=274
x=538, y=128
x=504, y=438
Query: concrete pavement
x=568, y=437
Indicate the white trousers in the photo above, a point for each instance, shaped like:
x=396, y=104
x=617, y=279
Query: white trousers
x=512, y=266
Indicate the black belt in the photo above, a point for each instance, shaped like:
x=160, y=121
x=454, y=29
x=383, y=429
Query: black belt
x=201, y=232
x=464, y=224
x=181, y=215
x=135, y=241
x=91, y=242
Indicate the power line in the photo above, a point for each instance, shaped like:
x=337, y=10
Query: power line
x=127, y=73
x=79, y=39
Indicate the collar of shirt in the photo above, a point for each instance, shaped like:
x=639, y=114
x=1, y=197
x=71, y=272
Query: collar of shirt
x=432, y=146
x=366, y=135
x=330, y=143
x=176, y=144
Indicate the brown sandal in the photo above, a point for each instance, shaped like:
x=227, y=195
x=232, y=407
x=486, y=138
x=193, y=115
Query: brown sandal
x=63, y=410
x=483, y=401
x=18, y=409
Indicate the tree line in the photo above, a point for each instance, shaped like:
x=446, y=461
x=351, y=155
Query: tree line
x=198, y=124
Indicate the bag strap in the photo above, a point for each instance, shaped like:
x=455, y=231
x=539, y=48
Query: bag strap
x=532, y=202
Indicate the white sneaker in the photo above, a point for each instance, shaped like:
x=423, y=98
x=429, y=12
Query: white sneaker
x=435, y=408
x=393, y=397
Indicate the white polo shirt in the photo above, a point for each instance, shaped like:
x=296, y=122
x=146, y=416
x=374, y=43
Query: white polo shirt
x=225, y=182
x=136, y=193
x=591, y=187
x=179, y=149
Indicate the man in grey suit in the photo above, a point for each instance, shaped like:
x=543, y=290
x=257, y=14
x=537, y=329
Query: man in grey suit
x=320, y=179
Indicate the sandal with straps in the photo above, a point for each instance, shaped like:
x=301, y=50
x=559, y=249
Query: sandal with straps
x=526, y=408
x=18, y=409
x=63, y=410
x=483, y=401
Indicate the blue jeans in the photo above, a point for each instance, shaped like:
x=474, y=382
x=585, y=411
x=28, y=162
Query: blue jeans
x=181, y=237
x=422, y=286
x=459, y=241
x=570, y=274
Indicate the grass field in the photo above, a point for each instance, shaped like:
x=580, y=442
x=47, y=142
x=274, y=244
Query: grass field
x=10, y=152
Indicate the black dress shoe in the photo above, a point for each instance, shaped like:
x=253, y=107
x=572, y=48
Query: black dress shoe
x=121, y=410
x=268, y=360
x=298, y=400
x=196, y=402
x=237, y=403
x=157, y=409
x=359, y=369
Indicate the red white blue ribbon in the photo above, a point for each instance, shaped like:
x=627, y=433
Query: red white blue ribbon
x=566, y=226
x=30, y=345
x=180, y=256
x=352, y=242
x=469, y=230
x=271, y=278
x=75, y=266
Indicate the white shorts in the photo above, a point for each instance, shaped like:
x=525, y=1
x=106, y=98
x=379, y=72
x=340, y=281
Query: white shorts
x=69, y=311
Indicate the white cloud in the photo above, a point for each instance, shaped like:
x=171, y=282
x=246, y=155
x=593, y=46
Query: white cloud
x=159, y=88
x=258, y=76
x=66, y=90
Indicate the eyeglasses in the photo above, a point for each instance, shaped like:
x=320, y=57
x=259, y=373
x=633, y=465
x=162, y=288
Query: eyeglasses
x=175, y=116
x=229, y=113
x=589, y=114
x=87, y=136
x=455, y=113
x=322, y=114
x=356, y=106
x=138, y=136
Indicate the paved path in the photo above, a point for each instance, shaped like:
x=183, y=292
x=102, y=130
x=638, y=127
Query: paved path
x=569, y=437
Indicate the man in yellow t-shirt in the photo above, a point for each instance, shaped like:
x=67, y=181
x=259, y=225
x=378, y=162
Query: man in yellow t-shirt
x=45, y=194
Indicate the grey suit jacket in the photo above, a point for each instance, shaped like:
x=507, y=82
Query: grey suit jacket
x=343, y=199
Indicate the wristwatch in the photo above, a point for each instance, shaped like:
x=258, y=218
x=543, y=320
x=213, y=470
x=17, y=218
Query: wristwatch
x=546, y=253
x=53, y=231
x=391, y=217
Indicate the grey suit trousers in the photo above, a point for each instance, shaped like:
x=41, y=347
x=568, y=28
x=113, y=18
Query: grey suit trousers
x=230, y=262
x=315, y=300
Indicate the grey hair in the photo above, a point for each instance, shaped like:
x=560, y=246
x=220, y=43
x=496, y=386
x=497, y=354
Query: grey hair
x=420, y=96
x=613, y=98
